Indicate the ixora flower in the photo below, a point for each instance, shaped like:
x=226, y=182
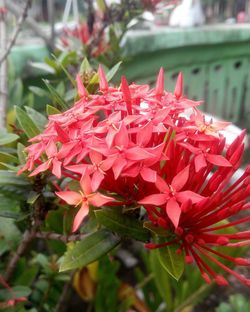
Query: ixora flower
x=136, y=146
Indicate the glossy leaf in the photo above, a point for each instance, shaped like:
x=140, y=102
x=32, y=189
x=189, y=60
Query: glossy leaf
x=88, y=250
x=172, y=262
x=27, y=124
x=122, y=224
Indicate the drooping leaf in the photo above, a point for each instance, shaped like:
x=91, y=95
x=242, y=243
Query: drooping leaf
x=122, y=224
x=172, y=262
x=88, y=250
x=27, y=124
x=6, y=138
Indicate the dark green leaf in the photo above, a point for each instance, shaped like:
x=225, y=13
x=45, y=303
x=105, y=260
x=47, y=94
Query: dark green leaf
x=7, y=158
x=172, y=262
x=27, y=124
x=17, y=291
x=122, y=224
x=88, y=250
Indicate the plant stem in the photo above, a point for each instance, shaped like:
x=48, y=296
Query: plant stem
x=60, y=237
x=28, y=236
x=62, y=305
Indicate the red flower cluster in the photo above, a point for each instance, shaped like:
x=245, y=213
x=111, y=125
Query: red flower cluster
x=135, y=146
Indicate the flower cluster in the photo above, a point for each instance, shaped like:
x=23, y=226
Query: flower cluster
x=135, y=146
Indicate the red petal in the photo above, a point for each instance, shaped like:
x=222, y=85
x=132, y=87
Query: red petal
x=173, y=211
x=99, y=200
x=96, y=180
x=80, y=87
x=218, y=160
x=57, y=168
x=179, y=86
x=148, y=175
x=137, y=153
x=180, y=179
x=70, y=197
x=185, y=195
x=126, y=94
x=81, y=214
x=144, y=134
x=155, y=199
x=117, y=167
x=43, y=167
x=102, y=79
x=199, y=162
x=85, y=183
x=159, y=88
x=95, y=157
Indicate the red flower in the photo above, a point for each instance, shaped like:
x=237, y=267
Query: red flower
x=141, y=146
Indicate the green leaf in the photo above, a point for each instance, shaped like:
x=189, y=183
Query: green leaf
x=92, y=86
x=39, y=91
x=17, y=291
x=6, y=138
x=56, y=97
x=85, y=66
x=37, y=117
x=161, y=278
x=9, y=177
x=21, y=153
x=7, y=158
x=172, y=262
x=111, y=73
x=122, y=224
x=51, y=110
x=88, y=250
x=60, y=64
x=27, y=124
x=44, y=67
x=155, y=229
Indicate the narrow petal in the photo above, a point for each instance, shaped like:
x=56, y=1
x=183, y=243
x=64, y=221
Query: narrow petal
x=99, y=200
x=138, y=153
x=95, y=157
x=159, y=88
x=180, y=179
x=218, y=160
x=173, y=211
x=41, y=168
x=70, y=197
x=126, y=94
x=185, y=195
x=96, y=180
x=85, y=183
x=80, y=87
x=155, y=199
x=102, y=79
x=81, y=214
x=179, y=86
